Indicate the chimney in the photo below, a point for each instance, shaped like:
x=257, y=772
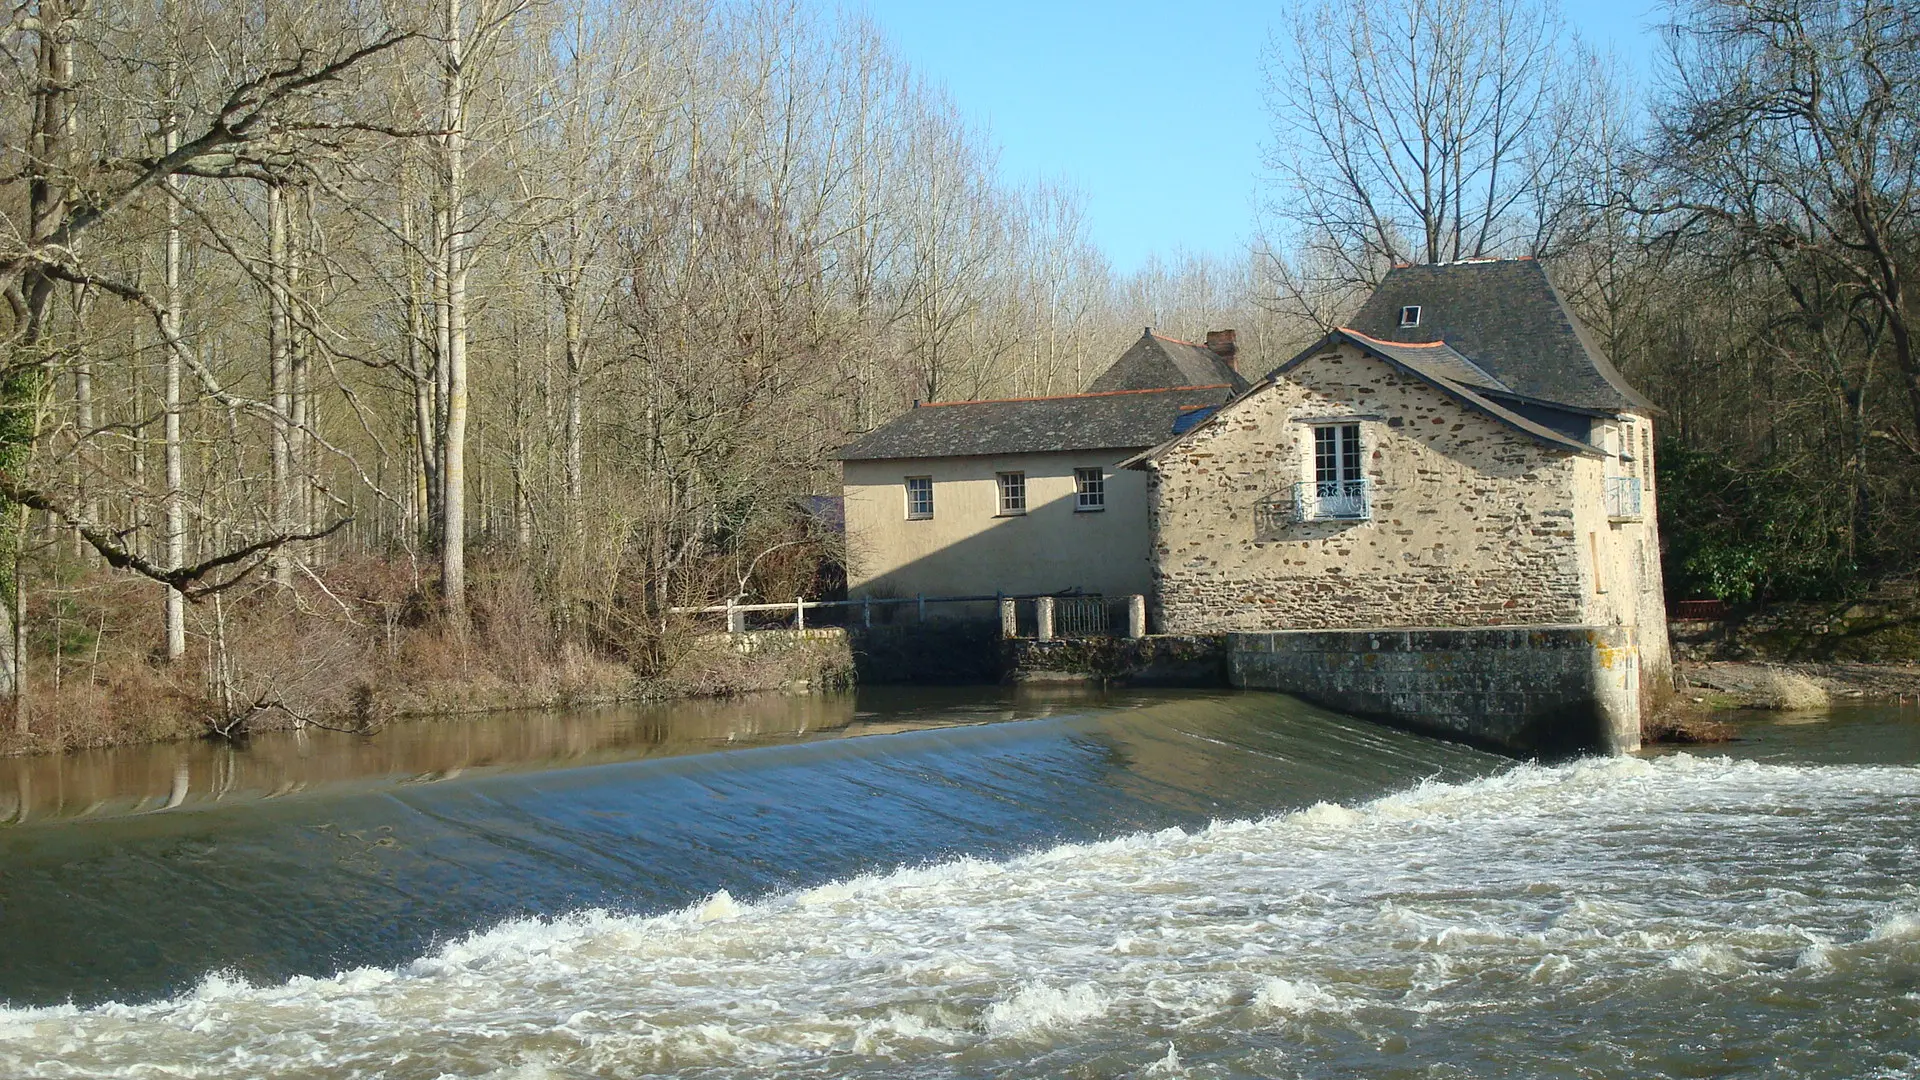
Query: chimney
x=1222, y=346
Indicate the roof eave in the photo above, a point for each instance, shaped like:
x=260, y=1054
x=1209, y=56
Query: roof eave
x=993, y=453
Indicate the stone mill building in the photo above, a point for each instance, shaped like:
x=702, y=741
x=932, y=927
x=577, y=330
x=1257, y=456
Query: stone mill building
x=1440, y=513
x=1461, y=455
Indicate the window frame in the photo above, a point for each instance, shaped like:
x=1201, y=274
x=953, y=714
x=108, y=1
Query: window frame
x=1348, y=457
x=1337, y=488
x=1409, y=309
x=912, y=513
x=1088, y=481
x=1010, y=489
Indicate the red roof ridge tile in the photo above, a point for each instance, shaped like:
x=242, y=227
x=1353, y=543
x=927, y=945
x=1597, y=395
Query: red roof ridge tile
x=1395, y=344
x=1069, y=397
x=1178, y=341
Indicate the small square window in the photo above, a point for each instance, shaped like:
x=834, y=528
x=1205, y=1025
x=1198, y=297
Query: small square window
x=1410, y=315
x=919, y=498
x=1090, y=489
x=1013, y=492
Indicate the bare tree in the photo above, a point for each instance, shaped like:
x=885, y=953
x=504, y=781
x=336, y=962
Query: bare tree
x=1409, y=131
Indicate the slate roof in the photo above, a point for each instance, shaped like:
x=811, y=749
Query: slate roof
x=1507, y=316
x=1440, y=366
x=1435, y=363
x=1107, y=420
x=1437, y=357
x=1155, y=361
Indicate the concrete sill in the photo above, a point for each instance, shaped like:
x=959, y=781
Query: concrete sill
x=1011, y=513
x=1089, y=509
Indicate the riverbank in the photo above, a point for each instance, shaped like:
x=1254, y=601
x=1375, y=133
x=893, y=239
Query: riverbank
x=1708, y=692
x=1794, y=686
x=284, y=669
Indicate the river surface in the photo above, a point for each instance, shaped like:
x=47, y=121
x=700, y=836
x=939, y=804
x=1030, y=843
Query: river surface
x=994, y=884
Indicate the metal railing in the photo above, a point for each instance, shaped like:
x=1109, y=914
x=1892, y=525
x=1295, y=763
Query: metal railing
x=1084, y=617
x=1623, y=498
x=737, y=614
x=1044, y=618
x=1059, y=618
x=1698, y=610
x=1333, y=500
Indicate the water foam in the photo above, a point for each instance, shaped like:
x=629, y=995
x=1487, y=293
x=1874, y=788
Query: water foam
x=1589, y=882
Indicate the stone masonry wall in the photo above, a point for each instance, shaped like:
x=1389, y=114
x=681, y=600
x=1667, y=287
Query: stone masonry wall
x=1551, y=691
x=1472, y=523
x=1622, y=551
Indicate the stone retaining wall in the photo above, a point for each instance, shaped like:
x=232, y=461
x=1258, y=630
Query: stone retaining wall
x=1198, y=660
x=1531, y=691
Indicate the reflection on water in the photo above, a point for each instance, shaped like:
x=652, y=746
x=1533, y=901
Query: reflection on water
x=142, y=779
x=1122, y=885
x=1843, y=735
x=364, y=868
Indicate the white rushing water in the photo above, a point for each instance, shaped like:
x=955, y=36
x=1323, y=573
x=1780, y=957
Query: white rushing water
x=1674, y=916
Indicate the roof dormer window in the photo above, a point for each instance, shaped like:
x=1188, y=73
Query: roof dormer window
x=1410, y=315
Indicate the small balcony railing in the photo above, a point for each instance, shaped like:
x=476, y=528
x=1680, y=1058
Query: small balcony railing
x=1623, y=498
x=1333, y=500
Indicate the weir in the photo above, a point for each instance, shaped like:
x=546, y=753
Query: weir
x=1537, y=690
x=1527, y=691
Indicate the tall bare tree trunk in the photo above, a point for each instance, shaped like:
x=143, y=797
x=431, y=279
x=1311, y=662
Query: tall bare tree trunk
x=280, y=450
x=48, y=149
x=453, y=465
x=300, y=402
x=576, y=349
x=83, y=416
x=175, y=511
x=422, y=370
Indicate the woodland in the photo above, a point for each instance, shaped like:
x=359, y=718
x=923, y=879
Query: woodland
x=365, y=357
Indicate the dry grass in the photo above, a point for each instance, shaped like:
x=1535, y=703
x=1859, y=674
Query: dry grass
x=1778, y=688
x=354, y=653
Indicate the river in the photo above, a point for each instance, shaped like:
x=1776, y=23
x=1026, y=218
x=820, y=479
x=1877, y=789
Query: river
x=992, y=883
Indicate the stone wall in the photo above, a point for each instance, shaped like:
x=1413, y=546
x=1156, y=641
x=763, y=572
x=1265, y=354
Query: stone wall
x=941, y=651
x=1529, y=691
x=1196, y=661
x=1472, y=523
x=757, y=660
x=1623, y=581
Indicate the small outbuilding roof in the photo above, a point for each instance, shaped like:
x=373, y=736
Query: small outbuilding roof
x=1105, y=420
x=1154, y=362
x=1506, y=315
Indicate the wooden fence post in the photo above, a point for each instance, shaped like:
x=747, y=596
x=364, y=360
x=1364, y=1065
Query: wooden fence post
x=866, y=612
x=799, y=613
x=923, y=607
x=736, y=620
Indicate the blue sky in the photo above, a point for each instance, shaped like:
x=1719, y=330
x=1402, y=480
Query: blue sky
x=1152, y=110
